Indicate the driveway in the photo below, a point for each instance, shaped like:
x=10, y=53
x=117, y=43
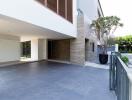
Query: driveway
x=54, y=81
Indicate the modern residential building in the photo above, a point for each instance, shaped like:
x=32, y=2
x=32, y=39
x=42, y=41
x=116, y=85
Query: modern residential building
x=48, y=30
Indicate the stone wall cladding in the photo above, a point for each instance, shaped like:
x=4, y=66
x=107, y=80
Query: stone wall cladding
x=77, y=46
x=80, y=51
x=92, y=56
x=91, y=36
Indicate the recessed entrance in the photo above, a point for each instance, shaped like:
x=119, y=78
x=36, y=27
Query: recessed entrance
x=59, y=50
x=86, y=49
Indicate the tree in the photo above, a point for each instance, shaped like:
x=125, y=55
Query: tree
x=106, y=26
x=111, y=41
x=125, y=43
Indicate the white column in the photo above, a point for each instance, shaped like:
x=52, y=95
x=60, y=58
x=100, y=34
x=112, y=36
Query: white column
x=42, y=49
x=38, y=49
x=34, y=49
x=116, y=47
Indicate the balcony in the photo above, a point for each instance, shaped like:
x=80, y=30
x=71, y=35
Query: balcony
x=63, y=8
x=32, y=14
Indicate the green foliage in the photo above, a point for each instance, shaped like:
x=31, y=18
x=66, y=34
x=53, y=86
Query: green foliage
x=125, y=43
x=104, y=26
x=125, y=59
x=111, y=41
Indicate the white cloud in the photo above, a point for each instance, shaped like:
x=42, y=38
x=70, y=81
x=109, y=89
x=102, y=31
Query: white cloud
x=122, y=9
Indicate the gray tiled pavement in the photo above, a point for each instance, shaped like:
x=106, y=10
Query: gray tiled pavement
x=54, y=81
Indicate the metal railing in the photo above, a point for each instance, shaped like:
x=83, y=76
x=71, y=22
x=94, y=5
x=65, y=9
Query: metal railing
x=119, y=79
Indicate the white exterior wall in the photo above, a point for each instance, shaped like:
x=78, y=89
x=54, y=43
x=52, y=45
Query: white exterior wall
x=38, y=49
x=89, y=8
x=34, y=49
x=90, y=12
x=33, y=12
x=9, y=48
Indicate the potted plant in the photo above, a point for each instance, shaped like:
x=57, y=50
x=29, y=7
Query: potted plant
x=103, y=27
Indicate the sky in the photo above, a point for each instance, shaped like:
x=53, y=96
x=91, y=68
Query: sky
x=121, y=9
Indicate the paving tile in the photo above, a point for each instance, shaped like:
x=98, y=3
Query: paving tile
x=54, y=81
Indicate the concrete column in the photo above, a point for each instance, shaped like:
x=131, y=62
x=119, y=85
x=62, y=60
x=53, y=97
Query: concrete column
x=42, y=49
x=34, y=49
x=38, y=49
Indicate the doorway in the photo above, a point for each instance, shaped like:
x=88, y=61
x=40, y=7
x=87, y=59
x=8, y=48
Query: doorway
x=86, y=49
x=59, y=50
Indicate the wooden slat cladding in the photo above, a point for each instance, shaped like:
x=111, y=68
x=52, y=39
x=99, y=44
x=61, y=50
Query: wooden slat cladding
x=69, y=11
x=63, y=8
x=42, y=1
x=52, y=4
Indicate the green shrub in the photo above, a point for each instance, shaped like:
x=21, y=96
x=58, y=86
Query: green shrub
x=125, y=43
x=125, y=59
x=130, y=51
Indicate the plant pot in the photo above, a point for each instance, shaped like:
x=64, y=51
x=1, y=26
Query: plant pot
x=103, y=58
